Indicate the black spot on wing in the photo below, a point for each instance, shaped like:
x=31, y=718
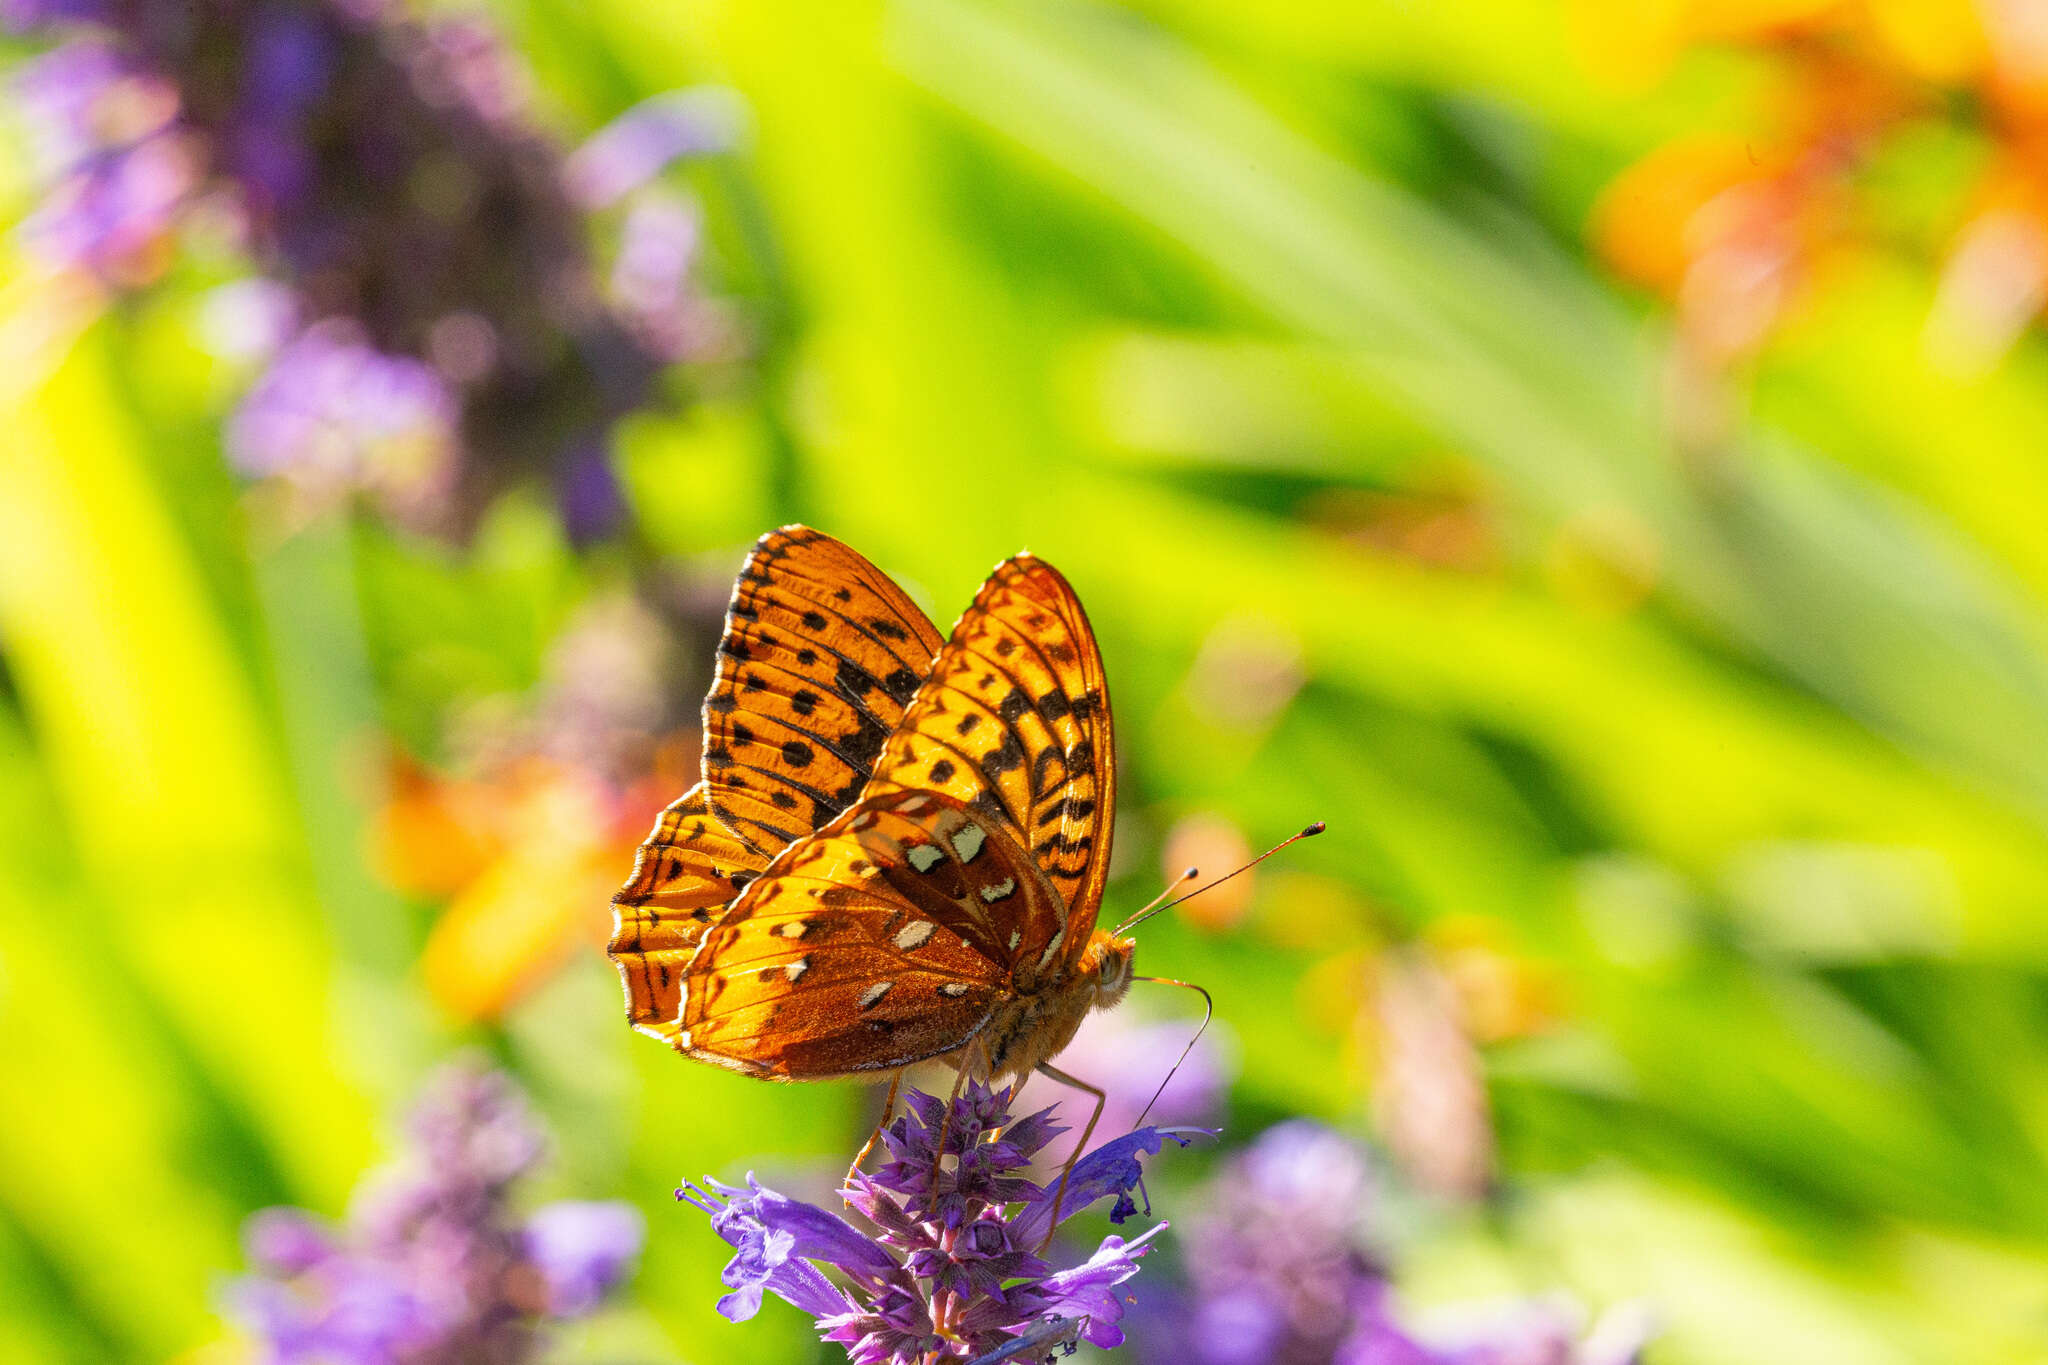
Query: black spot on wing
x=1005, y=757
x=853, y=682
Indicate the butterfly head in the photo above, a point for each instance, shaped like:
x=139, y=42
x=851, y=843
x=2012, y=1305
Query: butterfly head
x=1107, y=962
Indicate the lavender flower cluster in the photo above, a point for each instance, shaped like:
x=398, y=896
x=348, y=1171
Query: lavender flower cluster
x=439, y=326
x=1277, y=1275
x=950, y=1270
x=433, y=1265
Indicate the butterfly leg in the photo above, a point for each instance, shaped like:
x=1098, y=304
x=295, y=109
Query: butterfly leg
x=888, y=1112
x=946, y=1120
x=1047, y=1069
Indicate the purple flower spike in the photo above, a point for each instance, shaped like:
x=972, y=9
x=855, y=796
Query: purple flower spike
x=950, y=1271
x=1284, y=1276
x=389, y=170
x=432, y=1265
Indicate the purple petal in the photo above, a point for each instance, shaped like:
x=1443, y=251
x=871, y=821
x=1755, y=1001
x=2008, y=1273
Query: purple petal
x=635, y=147
x=1085, y=1291
x=286, y=1241
x=1111, y=1169
x=772, y=1257
x=817, y=1234
x=593, y=505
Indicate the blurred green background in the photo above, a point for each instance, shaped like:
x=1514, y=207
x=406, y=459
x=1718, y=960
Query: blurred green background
x=1675, y=679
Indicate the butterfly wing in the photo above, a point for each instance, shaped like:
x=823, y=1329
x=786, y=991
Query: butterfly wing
x=1014, y=722
x=822, y=652
x=689, y=869
x=880, y=941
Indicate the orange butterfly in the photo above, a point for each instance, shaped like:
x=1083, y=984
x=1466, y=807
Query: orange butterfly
x=899, y=847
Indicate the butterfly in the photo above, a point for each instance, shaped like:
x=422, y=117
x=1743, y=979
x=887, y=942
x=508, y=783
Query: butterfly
x=899, y=844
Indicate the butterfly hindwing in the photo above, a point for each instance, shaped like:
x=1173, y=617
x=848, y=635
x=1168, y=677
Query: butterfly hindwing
x=821, y=654
x=1014, y=721
x=886, y=938
x=684, y=875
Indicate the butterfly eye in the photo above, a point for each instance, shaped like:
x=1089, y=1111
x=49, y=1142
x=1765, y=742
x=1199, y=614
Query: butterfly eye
x=1114, y=973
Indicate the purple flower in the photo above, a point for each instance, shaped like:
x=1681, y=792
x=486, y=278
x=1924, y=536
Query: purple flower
x=433, y=1265
x=583, y=1250
x=950, y=1269
x=332, y=414
x=391, y=173
x=650, y=280
x=1278, y=1271
x=103, y=132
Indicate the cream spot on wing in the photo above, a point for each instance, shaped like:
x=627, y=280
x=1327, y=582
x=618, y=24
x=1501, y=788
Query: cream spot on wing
x=796, y=928
x=1045, y=958
x=914, y=934
x=872, y=994
x=914, y=805
x=1016, y=936
x=925, y=857
x=992, y=894
x=967, y=842
x=953, y=989
x=795, y=970
x=861, y=821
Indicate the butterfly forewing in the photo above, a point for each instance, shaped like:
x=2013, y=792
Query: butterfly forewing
x=884, y=939
x=821, y=654
x=1014, y=722
x=686, y=872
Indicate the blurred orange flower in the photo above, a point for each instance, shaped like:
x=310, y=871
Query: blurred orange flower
x=535, y=827
x=527, y=860
x=1734, y=226
x=1214, y=845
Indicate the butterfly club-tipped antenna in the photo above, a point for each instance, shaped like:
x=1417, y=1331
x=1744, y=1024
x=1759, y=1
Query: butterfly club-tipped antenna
x=1154, y=907
x=1178, y=882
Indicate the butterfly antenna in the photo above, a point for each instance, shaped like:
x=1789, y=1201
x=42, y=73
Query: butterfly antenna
x=1182, y=880
x=1208, y=1013
x=1156, y=908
